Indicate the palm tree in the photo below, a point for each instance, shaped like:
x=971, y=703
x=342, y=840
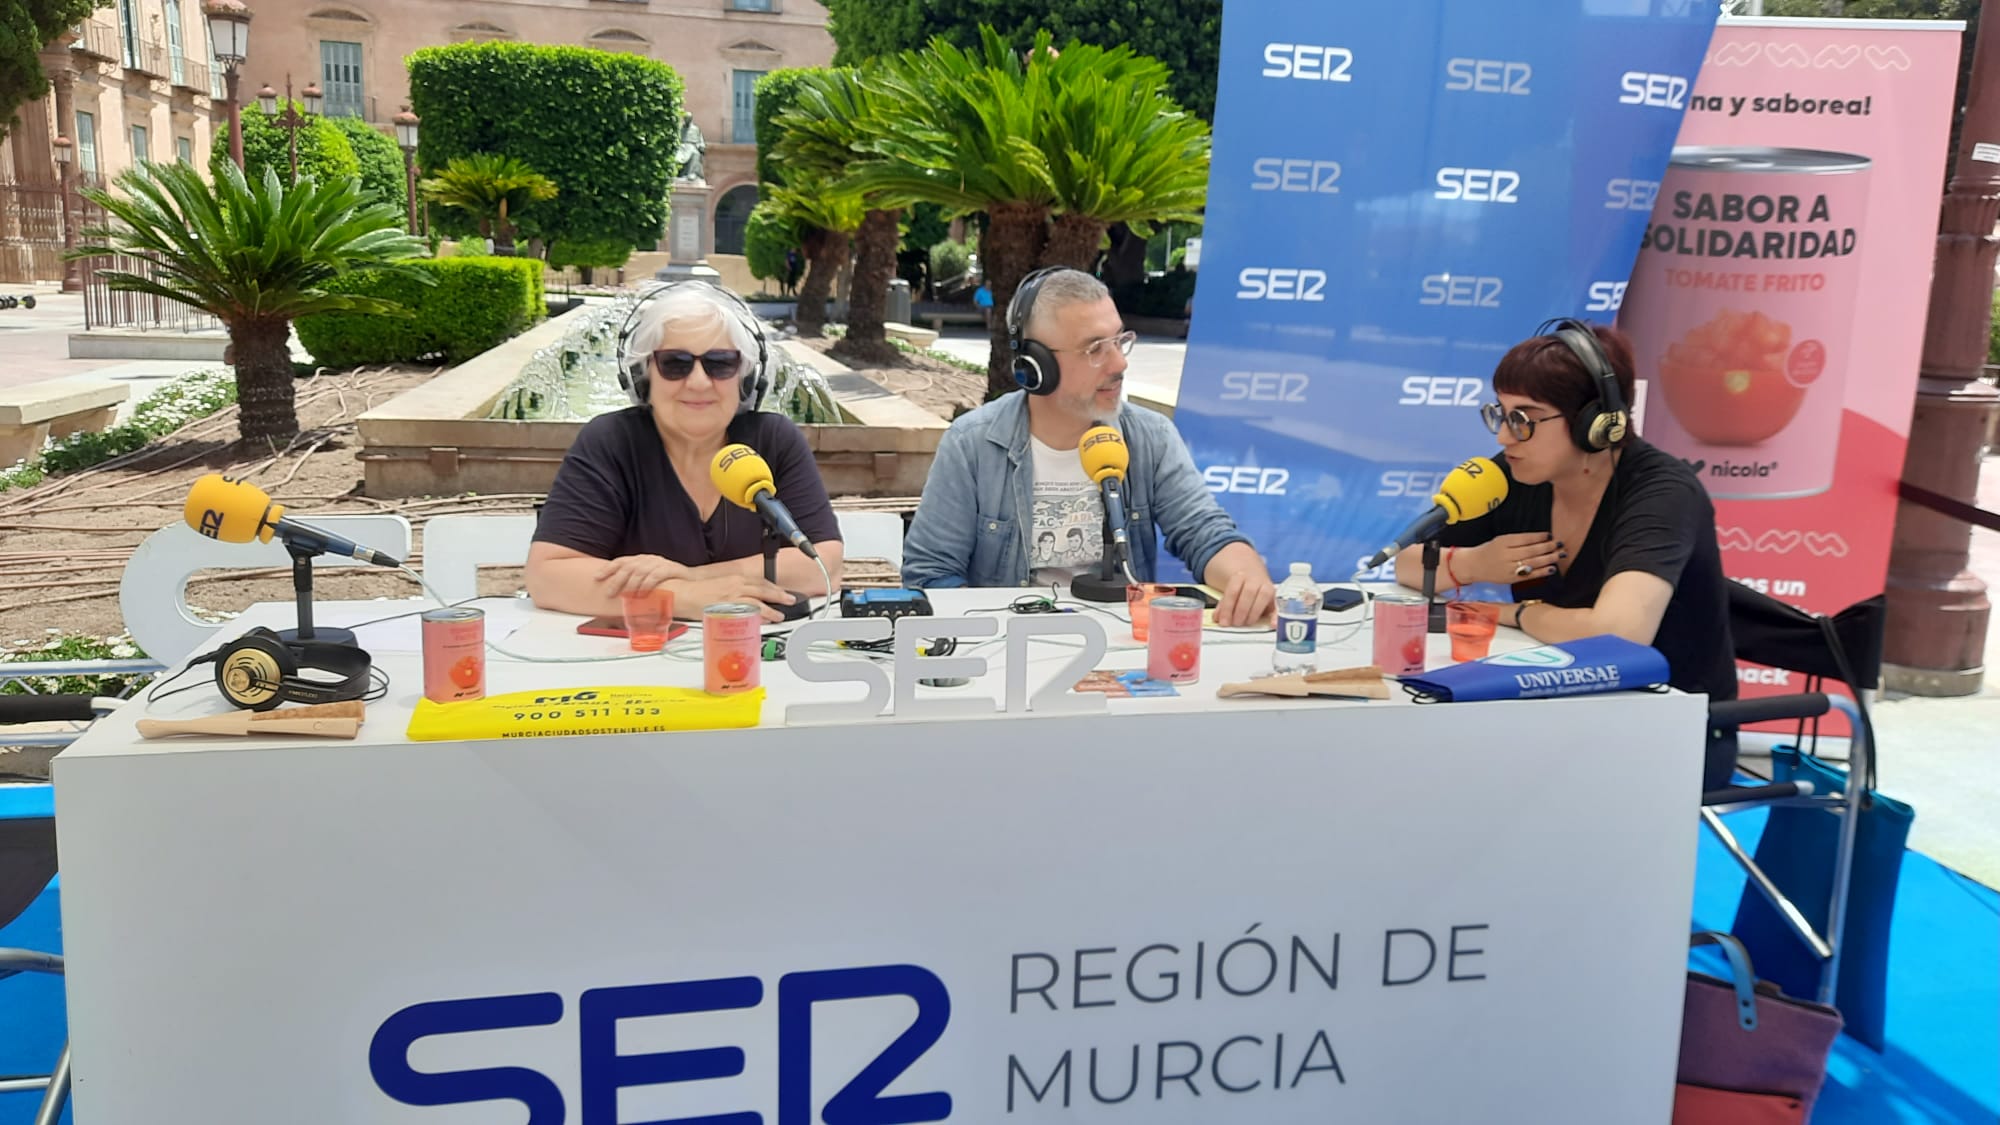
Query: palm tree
x=831, y=115
x=487, y=187
x=1084, y=137
x=253, y=256
x=829, y=219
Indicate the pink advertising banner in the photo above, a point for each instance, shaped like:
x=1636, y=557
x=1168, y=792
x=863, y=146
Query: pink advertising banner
x=1778, y=302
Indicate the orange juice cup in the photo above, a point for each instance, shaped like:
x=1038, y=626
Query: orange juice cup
x=1470, y=626
x=646, y=619
x=1139, y=602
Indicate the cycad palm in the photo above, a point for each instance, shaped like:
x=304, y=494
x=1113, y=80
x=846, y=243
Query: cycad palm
x=829, y=218
x=833, y=114
x=1088, y=136
x=255, y=256
x=488, y=187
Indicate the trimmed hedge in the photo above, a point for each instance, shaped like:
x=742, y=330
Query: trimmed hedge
x=324, y=151
x=605, y=127
x=476, y=304
x=383, y=178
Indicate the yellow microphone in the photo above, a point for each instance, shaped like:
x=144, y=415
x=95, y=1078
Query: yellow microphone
x=1474, y=488
x=744, y=479
x=233, y=511
x=236, y=511
x=1104, y=453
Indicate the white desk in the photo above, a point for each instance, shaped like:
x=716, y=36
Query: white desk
x=309, y=931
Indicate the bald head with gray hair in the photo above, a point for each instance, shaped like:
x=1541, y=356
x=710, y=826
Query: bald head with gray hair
x=1059, y=291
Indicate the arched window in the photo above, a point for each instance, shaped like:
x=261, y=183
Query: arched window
x=619, y=39
x=732, y=215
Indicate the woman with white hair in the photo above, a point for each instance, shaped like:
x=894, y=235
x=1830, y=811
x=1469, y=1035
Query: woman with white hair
x=633, y=509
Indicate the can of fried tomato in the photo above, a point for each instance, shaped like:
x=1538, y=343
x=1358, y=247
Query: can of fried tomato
x=1173, y=642
x=454, y=654
x=1402, y=626
x=732, y=635
x=1741, y=314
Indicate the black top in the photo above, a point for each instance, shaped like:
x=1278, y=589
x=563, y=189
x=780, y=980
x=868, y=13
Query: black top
x=1655, y=518
x=617, y=494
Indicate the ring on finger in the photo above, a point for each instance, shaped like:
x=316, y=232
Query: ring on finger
x=1522, y=569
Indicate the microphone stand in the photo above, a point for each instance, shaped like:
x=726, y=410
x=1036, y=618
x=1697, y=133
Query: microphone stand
x=302, y=591
x=1432, y=606
x=1108, y=584
x=800, y=608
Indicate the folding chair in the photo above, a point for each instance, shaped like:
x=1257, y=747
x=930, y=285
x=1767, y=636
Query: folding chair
x=27, y=863
x=1846, y=648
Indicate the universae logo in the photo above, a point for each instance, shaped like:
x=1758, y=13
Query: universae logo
x=602, y=1070
x=1543, y=658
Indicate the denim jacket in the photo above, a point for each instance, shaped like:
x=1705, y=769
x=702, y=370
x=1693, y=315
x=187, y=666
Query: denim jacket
x=972, y=525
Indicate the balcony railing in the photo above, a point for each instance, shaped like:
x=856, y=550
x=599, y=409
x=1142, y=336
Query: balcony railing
x=99, y=40
x=194, y=75
x=148, y=58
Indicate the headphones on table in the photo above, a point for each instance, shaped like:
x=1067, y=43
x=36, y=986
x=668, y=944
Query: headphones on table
x=257, y=671
x=753, y=381
x=1035, y=367
x=1603, y=422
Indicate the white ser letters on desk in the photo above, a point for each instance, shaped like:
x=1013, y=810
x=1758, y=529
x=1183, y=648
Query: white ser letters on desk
x=1051, y=698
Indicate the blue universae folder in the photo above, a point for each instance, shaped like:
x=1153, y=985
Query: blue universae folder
x=1581, y=667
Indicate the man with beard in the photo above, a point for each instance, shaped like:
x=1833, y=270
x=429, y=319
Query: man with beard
x=1008, y=473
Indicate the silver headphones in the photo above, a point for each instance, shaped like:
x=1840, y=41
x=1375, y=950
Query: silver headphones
x=753, y=383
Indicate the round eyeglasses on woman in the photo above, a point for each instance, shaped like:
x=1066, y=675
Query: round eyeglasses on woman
x=1098, y=352
x=1518, y=421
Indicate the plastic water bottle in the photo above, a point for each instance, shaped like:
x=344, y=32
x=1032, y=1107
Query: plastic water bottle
x=1298, y=623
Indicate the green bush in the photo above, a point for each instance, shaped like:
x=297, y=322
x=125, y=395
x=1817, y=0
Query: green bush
x=603, y=126
x=588, y=252
x=188, y=398
x=324, y=151
x=476, y=304
x=950, y=261
x=768, y=239
x=774, y=94
x=1993, y=333
x=383, y=177
x=1166, y=295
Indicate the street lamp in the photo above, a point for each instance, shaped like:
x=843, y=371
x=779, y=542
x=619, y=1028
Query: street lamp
x=406, y=138
x=72, y=281
x=229, y=30
x=290, y=120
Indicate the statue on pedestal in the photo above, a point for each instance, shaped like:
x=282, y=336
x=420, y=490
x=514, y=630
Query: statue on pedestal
x=690, y=153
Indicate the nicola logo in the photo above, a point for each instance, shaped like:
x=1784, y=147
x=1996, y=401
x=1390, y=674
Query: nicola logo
x=1548, y=656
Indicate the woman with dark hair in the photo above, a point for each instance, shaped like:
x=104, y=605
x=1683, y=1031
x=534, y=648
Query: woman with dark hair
x=1600, y=532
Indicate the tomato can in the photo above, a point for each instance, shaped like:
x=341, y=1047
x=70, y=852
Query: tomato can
x=1741, y=314
x=454, y=654
x=1173, y=643
x=1402, y=627
x=732, y=636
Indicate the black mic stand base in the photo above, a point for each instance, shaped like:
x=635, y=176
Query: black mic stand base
x=1431, y=602
x=302, y=591
x=1097, y=588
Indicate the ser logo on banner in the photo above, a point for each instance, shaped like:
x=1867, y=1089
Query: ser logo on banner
x=1263, y=283
x=1442, y=390
x=1303, y=60
x=1462, y=291
x=1487, y=76
x=1631, y=195
x=1410, y=482
x=604, y=1070
x=1246, y=480
x=1316, y=177
x=1663, y=91
x=1265, y=386
x=1605, y=296
x=1478, y=185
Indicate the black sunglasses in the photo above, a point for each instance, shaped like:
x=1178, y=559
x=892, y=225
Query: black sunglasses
x=675, y=364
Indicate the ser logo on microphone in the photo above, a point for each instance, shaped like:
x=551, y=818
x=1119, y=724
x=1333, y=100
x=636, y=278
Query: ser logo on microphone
x=1095, y=438
x=211, y=523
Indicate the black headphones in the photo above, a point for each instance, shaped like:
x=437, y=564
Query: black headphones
x=752, y=383
x=1035, y=367
x=1603, y=421
x=258, y=671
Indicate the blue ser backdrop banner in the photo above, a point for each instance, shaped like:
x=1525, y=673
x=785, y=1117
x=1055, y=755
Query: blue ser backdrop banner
x=1401, y=192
